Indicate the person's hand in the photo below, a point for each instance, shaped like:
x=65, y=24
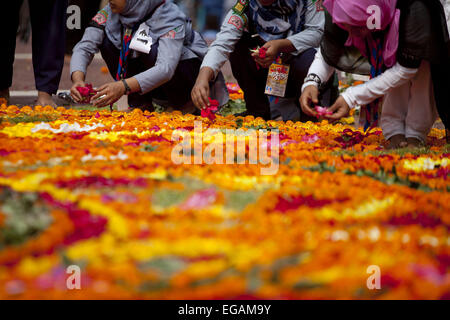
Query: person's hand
x=200, y=92
x=309, y=95
x=273, y=48
x=75, y=94
x=108, y=94
x=340, y=110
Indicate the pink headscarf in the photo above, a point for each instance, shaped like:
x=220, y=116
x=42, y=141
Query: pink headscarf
x=354, y=13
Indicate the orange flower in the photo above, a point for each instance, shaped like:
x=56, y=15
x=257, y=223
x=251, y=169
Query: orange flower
x=308, y=232
x=104, y=70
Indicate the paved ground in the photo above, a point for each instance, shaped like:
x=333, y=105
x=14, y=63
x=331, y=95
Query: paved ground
x=23, y=91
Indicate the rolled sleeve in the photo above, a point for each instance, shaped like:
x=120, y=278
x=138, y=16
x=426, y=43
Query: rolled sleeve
x=230, y=33
x=169, y=55
x=84, y=51
x=311, y=36
x=320, y=68
x=379, y=86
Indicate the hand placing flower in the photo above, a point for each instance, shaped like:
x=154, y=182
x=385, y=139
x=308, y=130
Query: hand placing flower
x=322, y=112
x=86, y=92
x=209, y=112
x=108, y=94
x=260, y=52
x=200, y=91
x=266, y=55
x=310, y=97
x=75, y=93
x=339, y=110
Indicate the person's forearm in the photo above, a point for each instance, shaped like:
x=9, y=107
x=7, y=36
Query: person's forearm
x=84, y=51
x=320, y=68
x=78, y=76
x=206, y=74
x=379, y=86
x=286, y=46
x=133, y=84
x=225, y=43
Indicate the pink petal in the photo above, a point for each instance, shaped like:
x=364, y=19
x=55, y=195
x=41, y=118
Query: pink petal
x=200, y=199
x=311, y=139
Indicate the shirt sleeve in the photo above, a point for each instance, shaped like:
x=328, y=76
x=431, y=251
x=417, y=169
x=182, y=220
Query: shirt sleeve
x=169, y=54
x=84, y=51
x=230, y=33
x=379, y=86
x=311, y=36
x=320, y=68
x=447, y=13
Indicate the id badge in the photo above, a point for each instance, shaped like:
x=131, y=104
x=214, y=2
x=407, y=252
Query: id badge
x=277, y=80
x=142, y=41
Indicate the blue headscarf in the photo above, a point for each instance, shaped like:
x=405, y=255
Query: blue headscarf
x=278, y=20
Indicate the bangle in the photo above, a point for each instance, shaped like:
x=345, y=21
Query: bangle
x=312, y=77
x=127, y=87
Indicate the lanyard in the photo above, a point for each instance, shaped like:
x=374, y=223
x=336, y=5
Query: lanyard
x=124, y=53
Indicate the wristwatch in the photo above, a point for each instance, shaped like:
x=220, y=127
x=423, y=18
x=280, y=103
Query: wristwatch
x=127, y=87
x=312, y=77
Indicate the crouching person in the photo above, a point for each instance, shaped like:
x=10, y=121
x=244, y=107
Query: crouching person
x=285, y=29
x=407, y=57
x=150, y=49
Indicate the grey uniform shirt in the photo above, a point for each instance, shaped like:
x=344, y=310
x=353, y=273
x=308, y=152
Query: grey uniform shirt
x=171, y=51
x=233, y=28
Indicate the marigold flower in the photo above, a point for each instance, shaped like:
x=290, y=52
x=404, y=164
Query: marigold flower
x=142, y=227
